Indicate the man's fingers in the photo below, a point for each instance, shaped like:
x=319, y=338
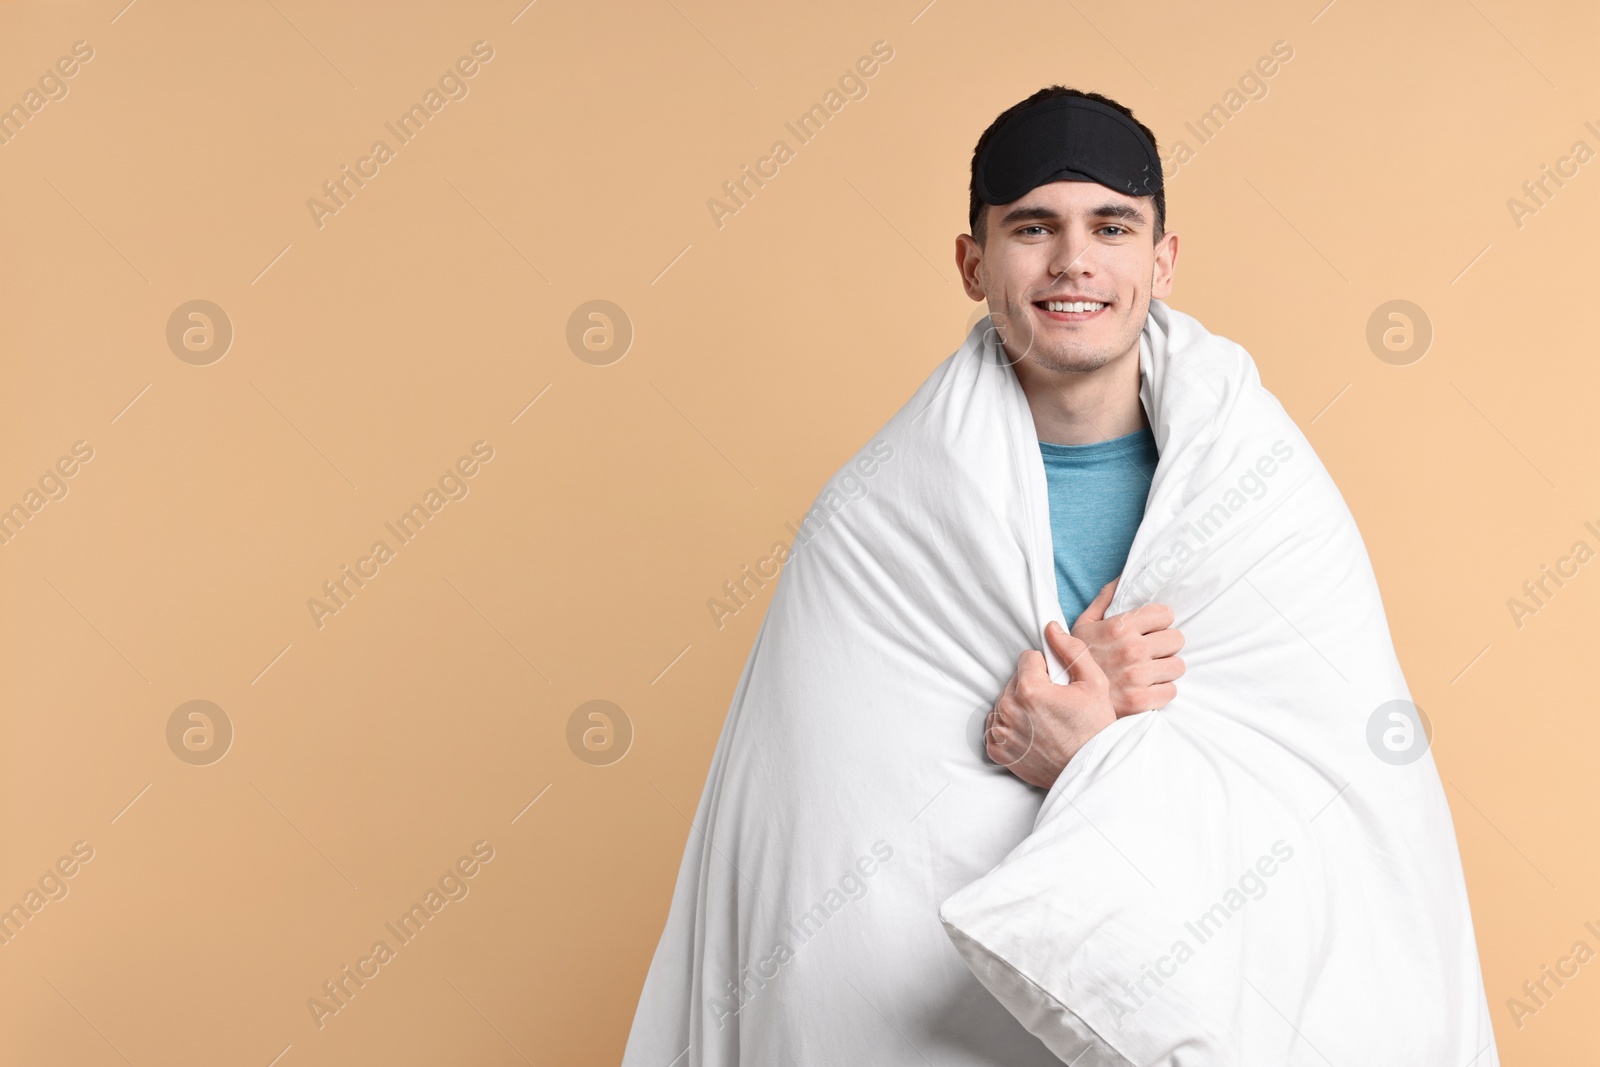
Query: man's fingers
x=1074, y=654
x=1146, y=698
x=1097, y=607
x=1008, y=733
x=1149, y=618
x=1031, y=668
x=1158, y=671
x=1164, y=643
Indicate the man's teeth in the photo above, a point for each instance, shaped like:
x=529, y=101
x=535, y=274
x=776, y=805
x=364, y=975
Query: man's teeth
x=1059, y=305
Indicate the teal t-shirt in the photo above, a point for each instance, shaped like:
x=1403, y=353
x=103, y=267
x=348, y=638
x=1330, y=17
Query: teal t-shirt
x=1097, y=496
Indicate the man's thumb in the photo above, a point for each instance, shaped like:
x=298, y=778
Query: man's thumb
x=1097, y=607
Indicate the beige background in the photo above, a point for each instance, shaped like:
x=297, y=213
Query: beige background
x=426, y=315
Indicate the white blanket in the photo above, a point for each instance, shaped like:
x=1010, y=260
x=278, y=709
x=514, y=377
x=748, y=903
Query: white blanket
x=1238, y=878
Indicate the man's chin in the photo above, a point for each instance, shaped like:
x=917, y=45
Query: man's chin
x=1068, y=362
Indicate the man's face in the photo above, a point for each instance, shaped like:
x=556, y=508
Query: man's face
x=1074, y=241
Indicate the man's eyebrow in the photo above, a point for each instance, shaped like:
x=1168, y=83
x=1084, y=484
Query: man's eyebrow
x=1111, y=209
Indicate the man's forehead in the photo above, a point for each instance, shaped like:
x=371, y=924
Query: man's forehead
x=1090, y=199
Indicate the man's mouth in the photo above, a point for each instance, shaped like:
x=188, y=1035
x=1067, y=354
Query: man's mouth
x=1070, y=310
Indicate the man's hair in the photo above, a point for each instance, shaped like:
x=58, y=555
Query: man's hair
x=977, y=217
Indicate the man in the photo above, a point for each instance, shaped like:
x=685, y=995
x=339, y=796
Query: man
x=902, y=855
x=1068, y=270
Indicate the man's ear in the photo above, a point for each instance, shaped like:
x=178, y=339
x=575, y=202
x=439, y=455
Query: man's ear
x=969, y=257
x=1165, y=266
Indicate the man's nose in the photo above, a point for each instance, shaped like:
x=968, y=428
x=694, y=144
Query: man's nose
x=1070, y=255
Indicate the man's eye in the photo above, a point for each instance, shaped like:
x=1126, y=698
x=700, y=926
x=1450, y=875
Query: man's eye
x=1035, y=226
x=1114, y=227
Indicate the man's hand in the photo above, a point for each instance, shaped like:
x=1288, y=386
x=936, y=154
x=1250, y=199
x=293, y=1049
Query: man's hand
x=1137, y=650
x=1037, y=726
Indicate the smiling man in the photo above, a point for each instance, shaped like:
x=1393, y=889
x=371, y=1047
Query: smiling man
x=916, y=846
x=1068, y=246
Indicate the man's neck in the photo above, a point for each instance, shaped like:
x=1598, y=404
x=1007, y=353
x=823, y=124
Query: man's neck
x=1084, y=407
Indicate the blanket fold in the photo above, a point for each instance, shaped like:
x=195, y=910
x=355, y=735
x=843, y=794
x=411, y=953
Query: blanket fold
x=1243, y=877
